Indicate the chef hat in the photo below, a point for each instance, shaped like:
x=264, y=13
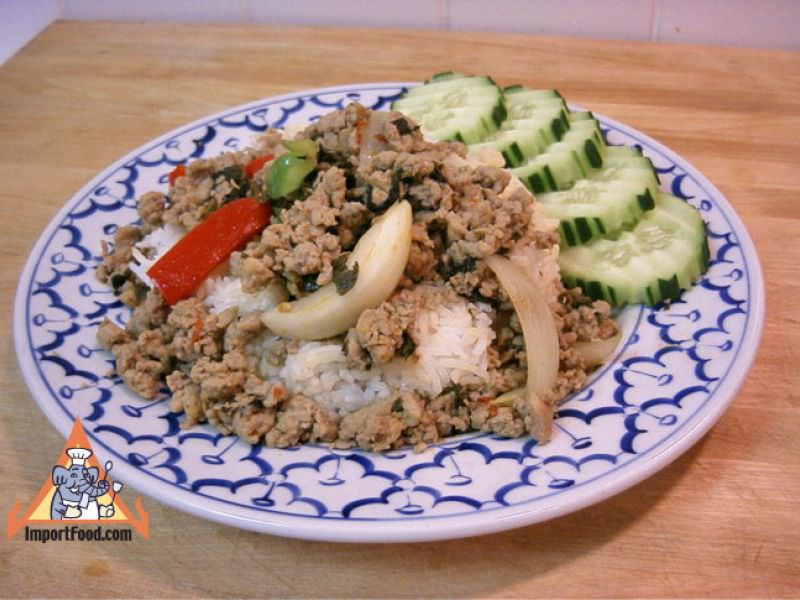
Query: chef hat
x=78, y=455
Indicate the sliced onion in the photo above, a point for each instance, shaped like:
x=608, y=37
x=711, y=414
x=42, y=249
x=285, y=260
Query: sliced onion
x=382, y=255
x=508, y=398
x=594, y=353
x=541, y=339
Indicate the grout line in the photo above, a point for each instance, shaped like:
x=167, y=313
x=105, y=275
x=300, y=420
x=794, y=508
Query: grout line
x=655, y=21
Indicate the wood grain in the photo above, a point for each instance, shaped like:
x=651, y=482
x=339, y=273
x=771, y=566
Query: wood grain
x=724, y=520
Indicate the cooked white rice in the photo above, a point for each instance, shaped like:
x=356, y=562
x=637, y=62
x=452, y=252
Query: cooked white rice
x=452, y=346
x=226, y=292
x=319, y=370
x=155, y=244
x=542, y=265
x=452, y=340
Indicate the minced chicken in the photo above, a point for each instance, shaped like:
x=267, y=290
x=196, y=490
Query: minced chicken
x=216, y=364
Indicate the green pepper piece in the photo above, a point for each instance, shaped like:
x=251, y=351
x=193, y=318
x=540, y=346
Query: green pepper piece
x=287, y=172
x=302, y=148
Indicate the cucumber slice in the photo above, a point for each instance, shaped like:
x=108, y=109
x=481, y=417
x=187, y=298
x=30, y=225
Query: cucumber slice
x=580, y=150
x=584, y=137
x=516, y=145
x=438, y=85
x=608, y=200
x=520, y=139
x=550, y=171
x=524, y=110
x=452, y=106
x=445, y=76
x=522, y=100
x=664, y=253
x=619, y=156
x=518, y=91
x=582, y=116
x=460, y=125
x=454, y=98
x=624, y=152
x=546, y=107
x=591, y=209
x=549, y=124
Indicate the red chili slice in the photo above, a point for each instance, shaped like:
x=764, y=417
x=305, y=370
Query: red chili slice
x=255, y=165
x=185, y=266
x=178, y=171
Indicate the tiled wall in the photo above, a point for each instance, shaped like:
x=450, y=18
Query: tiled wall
x=21, y=20
x=745, y=23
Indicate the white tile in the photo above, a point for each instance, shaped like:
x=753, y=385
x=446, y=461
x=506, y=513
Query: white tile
x=405, y=14
x=612, y=19
x=21, y=21
x=745, y=23
x=206, y=11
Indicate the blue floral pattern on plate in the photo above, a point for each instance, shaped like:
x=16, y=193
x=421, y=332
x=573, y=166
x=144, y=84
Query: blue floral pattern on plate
x=675, y=372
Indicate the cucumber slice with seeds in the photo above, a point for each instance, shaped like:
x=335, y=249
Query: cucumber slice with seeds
x=515, y=145
x=546, y=108
x=602, y=204
x=664, y=253
x=579, y=151
x=550, y=171
x=616, y=156
x=452, y=106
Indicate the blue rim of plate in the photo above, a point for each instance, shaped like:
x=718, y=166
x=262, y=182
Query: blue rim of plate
x=526, y=479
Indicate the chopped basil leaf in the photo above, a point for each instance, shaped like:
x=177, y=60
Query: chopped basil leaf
x=407, y=347
x=346, y=279
x=403, y=126
x=309, y=283
x=117, y=281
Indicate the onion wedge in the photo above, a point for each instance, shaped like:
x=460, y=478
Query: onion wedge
x=594, y=353
x=381, y=254
x=541, y=341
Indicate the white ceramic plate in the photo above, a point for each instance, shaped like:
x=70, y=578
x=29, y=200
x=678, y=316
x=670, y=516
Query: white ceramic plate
x=677, y=370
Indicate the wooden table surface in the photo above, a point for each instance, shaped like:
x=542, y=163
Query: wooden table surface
x=724, y=520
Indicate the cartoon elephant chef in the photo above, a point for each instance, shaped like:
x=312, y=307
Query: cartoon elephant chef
x=77, y=489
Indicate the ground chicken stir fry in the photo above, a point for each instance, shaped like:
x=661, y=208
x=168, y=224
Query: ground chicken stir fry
x=223, y=365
